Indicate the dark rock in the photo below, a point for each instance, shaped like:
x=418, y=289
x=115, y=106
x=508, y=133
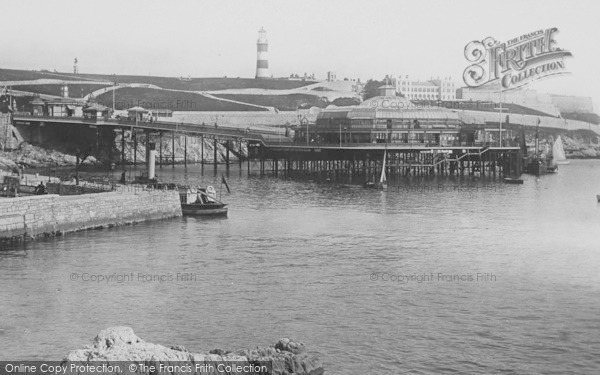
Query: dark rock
x=180, y=348
x=121, y=344
x=287, y=345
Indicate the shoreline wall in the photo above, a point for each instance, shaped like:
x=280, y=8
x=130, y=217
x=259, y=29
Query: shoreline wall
x=53, y=214
x=480, y=117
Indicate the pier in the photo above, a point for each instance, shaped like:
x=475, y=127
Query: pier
x=367, y=160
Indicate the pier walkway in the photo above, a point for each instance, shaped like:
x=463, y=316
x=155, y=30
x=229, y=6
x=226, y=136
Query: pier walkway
x=262, y=136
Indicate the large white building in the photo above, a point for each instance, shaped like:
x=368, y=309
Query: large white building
x=434, y=89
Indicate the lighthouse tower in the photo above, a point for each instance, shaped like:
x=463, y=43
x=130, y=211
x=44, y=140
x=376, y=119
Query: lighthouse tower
x=262, y=47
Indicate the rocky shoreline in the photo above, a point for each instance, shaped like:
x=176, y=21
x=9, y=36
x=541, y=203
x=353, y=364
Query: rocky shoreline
x=118, y=344
x=580, y=148
x=30, y=156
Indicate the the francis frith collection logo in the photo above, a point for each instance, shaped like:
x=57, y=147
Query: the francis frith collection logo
x=515, y=63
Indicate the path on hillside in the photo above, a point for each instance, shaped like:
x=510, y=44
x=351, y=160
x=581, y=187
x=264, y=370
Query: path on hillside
x=104, y=90
x=333, y=90
x=49, y=81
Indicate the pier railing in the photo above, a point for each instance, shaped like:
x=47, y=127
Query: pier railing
x=391, y=145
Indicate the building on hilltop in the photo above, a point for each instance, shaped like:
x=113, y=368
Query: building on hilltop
x=305, y=77
x=434, y=89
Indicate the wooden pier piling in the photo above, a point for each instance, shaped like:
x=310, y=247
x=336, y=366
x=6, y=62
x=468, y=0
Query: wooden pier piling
x=366, y=161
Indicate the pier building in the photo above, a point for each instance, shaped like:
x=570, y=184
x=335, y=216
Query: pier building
x=388, y=119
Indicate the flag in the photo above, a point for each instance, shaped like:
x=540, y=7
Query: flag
x=223, y=181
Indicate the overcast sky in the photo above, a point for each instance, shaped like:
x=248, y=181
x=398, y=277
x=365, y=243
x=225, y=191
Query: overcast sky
x=356, y=39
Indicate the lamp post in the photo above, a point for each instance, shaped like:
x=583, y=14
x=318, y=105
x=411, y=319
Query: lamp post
x=340, y=135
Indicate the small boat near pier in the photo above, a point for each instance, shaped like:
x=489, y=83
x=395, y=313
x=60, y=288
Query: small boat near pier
x=513, y=180
x=201, y=202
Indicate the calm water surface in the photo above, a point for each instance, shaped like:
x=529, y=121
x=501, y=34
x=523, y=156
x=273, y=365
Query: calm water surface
x=331, y=266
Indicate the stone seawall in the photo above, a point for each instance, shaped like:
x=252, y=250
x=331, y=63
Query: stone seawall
x=52, y=214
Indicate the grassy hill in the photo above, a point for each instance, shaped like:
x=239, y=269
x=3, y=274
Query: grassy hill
x=193, y=84
x=206, y=84
x=27, y=75
x=175, y=100
x=75, y=90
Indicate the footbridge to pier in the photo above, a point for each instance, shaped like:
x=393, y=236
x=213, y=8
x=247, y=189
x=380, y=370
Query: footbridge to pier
x=152, y=132
x=261, y=135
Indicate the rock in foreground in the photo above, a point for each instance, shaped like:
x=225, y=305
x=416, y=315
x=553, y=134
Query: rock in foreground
x=121, y=344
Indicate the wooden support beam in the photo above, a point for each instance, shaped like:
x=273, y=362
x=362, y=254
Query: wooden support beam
x=147, y=158
x=227, y=153
x=122, y=146
x=160, y=160
x=215, y=153
x=173, y=149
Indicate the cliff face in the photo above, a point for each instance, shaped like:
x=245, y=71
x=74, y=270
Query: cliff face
x=121, y=344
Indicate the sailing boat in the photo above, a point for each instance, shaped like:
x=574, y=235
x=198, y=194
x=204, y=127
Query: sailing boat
x=558, y=152
x=383, y=178
x=382, y=184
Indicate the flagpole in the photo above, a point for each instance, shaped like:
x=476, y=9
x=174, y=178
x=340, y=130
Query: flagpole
x=500, y=119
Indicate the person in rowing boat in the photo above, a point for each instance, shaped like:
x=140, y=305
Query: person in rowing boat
x=40, y=189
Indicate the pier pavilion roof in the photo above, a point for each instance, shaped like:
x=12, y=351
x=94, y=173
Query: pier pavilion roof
x=388, y=107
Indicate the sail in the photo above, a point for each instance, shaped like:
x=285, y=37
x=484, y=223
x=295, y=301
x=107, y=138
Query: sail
x=383, y=178
x=558, y=152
